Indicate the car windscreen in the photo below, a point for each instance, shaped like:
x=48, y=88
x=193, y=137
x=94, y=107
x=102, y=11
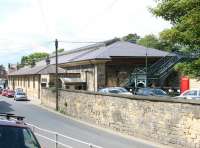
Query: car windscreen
x=21, y=93
x=123, y=90
x=115, y=91
x=160, y=92
x=17, y=137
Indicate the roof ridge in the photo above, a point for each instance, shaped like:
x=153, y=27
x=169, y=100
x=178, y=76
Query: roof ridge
x=42, y=69
x=107, y=47
x=87, y=47
x=72, y=59
x=80, y=49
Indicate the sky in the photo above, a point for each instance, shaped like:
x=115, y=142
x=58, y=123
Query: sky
x=28, y=26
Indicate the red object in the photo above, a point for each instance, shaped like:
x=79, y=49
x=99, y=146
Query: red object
x=4, y=92
x=10, y=93
x=185, y=84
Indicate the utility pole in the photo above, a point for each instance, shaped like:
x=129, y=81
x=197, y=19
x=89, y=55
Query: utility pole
x=56, y=45
x=146, y=65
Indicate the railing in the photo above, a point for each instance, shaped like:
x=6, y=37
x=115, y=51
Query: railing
x=44, y=134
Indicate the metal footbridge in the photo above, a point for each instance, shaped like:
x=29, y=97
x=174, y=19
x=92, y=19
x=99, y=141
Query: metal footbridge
x=160, y=70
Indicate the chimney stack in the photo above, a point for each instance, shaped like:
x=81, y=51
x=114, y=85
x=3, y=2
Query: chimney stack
x=48, y=60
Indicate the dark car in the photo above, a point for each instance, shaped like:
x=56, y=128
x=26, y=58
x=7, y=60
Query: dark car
x=151, y=92
x=14, y=133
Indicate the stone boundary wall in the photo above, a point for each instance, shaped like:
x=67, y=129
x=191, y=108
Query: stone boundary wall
x=163, y=120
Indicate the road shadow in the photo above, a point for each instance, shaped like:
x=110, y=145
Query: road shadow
x=24, y=100
x=5, y=107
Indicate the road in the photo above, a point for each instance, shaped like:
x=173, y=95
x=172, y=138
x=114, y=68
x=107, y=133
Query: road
x=49, y=120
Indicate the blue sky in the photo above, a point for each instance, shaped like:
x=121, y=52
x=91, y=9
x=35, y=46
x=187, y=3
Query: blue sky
x=28, y=26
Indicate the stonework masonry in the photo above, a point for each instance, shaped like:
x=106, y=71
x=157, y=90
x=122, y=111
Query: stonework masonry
x=163, y=120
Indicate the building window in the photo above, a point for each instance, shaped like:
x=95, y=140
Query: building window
x=33, y=81
x=24, y=81
x=67, y=87
x=17, y=81
x=28, y=82
x=21, y=82
x=43, y=85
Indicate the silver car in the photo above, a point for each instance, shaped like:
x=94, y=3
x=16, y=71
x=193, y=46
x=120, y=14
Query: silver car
x=20, y=96
x=115, y=90
x=191, y=94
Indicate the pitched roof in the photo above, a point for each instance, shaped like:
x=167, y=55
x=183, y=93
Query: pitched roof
x=45, y=69
x=106, y=51
x=100, y=51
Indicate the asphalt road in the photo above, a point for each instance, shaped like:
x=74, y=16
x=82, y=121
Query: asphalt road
x=52, y=121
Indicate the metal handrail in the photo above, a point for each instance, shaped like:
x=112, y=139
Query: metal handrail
x=67, y=146
x=61, y=135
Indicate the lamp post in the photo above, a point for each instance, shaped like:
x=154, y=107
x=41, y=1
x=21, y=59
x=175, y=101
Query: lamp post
x=56, y=46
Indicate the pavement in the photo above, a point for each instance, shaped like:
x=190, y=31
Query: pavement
x=51, y=120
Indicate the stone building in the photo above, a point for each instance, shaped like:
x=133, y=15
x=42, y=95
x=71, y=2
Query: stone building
x=3, y=72
x=92, y=67
x=32, y=79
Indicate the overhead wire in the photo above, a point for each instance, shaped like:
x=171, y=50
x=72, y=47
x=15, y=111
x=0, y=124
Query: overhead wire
x=43, y=17
x=45, y=24
x=108, y=8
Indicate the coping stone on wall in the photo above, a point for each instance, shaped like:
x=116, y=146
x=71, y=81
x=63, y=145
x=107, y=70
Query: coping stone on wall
x=136, y=97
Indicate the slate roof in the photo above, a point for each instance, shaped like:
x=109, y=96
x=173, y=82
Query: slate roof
x=45, y=69
x=100, y=51
x=107, y=52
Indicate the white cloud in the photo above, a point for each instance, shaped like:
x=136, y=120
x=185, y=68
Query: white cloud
x=32, y=26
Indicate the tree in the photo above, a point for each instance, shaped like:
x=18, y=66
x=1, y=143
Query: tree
x=133, y=38
x=185, y=18
x=167, y=39
x=34, y=57
x=59, y=51
x=150, y=41
x=184, y=15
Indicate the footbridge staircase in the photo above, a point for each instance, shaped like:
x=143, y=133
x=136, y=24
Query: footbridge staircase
x=158, y=72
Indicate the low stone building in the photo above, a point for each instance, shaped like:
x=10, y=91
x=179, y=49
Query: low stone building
x=32, y=79
x=92, y=67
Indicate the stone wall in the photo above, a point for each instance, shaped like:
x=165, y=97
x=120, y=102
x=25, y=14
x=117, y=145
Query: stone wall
x=162, y=120
x=194, y=84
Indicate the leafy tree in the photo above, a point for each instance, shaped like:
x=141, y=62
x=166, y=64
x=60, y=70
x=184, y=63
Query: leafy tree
x=185, y=18
x=167, y=40
x=184, y=15
x=34, y=57
x=59, y=51
x=133, y=38
x=150, y=41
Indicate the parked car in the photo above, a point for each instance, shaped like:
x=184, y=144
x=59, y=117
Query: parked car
x=1, y=90
x=14, y=133
x=4, y=92
x=115, y=90
x=190, y=94
x=19, y=90
x=10, y=93
x=150, y=92
x=20, y=96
